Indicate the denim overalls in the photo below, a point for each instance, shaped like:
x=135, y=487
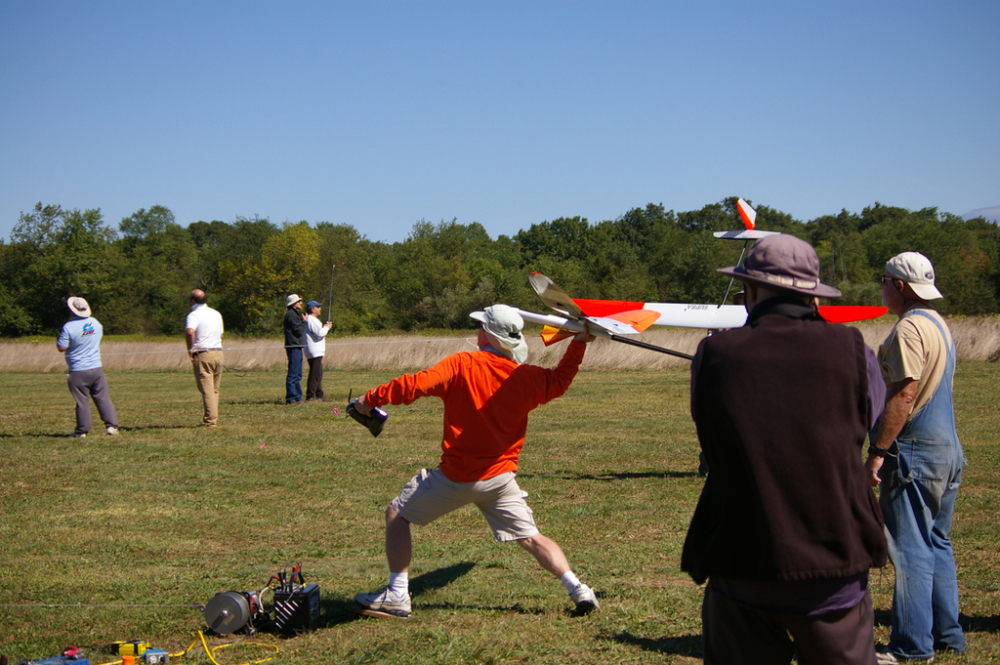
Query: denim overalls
x=917, y=497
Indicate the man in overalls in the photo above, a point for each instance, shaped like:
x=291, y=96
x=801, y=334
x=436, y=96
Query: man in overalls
x=916, y=457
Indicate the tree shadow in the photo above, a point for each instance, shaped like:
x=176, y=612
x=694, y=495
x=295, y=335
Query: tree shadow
x=684, y=645
x=611, y=477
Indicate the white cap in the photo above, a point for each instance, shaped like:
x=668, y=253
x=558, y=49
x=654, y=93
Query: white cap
x=916, y=270
x=291, y=300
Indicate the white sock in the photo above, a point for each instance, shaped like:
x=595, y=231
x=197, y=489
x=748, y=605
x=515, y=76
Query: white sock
x=399, y=583
x=569, y=581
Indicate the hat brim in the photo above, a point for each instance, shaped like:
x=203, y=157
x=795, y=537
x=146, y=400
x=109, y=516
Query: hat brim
x=820, y=290
x=478, y=316
x=77, y=312
x=925, y=291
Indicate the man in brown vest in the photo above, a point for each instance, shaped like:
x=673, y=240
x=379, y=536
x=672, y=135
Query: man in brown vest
x=786, y=528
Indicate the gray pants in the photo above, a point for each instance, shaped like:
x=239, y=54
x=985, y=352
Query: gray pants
x=90, y=383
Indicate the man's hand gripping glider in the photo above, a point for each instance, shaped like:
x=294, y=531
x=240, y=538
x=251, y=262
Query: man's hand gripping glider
x=487, y=397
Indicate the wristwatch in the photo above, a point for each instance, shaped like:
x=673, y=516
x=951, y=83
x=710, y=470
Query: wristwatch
x=876, y=451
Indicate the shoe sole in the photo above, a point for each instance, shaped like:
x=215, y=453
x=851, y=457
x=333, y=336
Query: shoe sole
x=379, y=614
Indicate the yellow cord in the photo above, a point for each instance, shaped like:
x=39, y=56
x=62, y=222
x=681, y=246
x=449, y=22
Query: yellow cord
x=210, y=651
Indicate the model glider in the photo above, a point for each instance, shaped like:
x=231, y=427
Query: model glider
x=718, y=317
x=573, y=319
x=611, y=319
x=715, y=317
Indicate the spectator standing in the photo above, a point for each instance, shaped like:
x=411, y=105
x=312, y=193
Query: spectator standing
x=315, y=336
x=295, y=327
x=917, y=459
x=203, y=331
x=487, y=397
x=786, y=528
x=80, y=340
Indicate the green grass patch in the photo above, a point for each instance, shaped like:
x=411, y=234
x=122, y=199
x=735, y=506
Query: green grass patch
x=106, y=539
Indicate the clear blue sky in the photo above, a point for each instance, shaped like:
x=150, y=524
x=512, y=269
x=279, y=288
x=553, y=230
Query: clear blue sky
x=379, y=114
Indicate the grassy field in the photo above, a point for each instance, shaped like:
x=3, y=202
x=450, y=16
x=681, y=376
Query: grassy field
x=106, y=539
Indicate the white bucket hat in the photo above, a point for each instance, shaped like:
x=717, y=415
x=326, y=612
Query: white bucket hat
x=916, y=270
x=502, y=325
x=291, y=300
x=78, y=306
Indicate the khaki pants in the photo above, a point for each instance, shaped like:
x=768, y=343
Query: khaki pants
x=208, y=375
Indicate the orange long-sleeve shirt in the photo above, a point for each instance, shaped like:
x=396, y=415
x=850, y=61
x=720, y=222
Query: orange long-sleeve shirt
x=487, y=399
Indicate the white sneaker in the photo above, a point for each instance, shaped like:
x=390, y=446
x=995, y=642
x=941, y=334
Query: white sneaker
x=81, y=435
x=384, y=603
x=112, y=431
x=885, y=657
x=585, y=599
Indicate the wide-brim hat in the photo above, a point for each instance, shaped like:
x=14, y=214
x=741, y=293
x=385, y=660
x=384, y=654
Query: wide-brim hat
x=916, y=270
x=78, y=306
x=291, y=300
x=502, y=325
x=783, y=262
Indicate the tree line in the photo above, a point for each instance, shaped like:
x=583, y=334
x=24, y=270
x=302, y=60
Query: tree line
x=137, y=278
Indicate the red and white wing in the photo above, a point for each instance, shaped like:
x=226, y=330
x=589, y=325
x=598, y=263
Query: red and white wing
x=747, y=214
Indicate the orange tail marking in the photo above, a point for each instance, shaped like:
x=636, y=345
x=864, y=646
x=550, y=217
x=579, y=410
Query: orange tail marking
x=551, y=335
x=640, y=319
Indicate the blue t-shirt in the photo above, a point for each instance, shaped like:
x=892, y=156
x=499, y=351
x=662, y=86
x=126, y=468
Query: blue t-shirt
x=81, y=337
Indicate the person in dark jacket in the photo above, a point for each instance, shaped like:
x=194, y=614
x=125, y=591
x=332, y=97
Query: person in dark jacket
x=295, y=327
x=787, y=527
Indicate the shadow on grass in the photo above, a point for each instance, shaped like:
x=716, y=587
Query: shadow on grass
x=969, y=624
x=685, y=645
x=980, y=624
x=338, y=610
x=516, y=608
x=610, y=477
x=97, y=433
x=440, y=578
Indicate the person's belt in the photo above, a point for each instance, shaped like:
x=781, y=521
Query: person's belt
x=194, y=353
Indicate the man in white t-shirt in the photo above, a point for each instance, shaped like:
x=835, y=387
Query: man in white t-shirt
x=315, y=339
x=203, y=332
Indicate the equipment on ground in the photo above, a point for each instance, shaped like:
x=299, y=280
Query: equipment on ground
x=231, y=611
x=156, y=657
x=296, y=607
x=71, y=655
x=133, y=648
x=374, y=421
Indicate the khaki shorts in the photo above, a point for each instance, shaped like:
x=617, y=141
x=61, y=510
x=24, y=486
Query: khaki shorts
x=430, y=494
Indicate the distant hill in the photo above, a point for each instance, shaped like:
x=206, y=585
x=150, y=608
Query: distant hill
x=992, y=213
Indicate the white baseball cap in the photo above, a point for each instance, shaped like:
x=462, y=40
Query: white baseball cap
x=916, y=270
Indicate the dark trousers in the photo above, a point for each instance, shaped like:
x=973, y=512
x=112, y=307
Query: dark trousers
x=314, y=387
x=293, y=380
x=90, y=383
x=735, y=634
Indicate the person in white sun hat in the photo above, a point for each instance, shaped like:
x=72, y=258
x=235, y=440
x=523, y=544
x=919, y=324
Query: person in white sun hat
x=916, y=461
x=487, y=397
x=80, y=340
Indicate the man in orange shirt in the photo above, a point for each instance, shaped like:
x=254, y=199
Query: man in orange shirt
x=487, y=397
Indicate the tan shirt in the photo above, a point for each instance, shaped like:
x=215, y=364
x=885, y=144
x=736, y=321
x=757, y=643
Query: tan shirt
x=915, y=350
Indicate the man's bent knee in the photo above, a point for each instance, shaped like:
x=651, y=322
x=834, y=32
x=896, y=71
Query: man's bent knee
x=391, y=515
